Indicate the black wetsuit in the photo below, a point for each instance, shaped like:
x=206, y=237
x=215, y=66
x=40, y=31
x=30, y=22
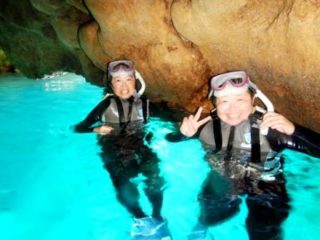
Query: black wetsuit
x=235, y=173
x=125, y=153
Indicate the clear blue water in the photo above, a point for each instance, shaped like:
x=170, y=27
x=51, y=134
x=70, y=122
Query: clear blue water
x=53, y=185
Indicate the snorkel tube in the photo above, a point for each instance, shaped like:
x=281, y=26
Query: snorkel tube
x=265, y=100
x=143, y=85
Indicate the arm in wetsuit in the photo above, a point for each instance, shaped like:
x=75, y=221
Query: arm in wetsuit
x=93, y=117
x=303, y=140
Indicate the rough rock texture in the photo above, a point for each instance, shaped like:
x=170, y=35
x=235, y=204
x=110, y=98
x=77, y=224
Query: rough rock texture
x=5, y=65
x=176, y=45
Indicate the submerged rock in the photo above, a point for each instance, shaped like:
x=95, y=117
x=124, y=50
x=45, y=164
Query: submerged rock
x=176, y=44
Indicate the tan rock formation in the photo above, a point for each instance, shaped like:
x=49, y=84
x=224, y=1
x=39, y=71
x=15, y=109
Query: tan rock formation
x=176, y=44
x=142, y=31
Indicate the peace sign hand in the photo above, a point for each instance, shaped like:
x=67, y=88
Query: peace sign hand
x=191, y=124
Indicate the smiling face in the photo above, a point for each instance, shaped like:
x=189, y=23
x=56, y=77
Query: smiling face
x=235, y=108
x=124, y=86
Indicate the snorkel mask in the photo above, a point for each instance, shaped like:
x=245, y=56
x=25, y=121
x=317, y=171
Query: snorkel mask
x=126, y=68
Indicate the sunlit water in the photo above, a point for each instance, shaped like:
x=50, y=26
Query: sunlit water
x=53, y=185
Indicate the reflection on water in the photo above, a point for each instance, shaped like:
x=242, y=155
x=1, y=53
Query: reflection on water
x=53, y=184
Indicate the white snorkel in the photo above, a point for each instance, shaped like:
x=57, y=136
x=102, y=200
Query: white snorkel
x=265, y=100
x=143, y=85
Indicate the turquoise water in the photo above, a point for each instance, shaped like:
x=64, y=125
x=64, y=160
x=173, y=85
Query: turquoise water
x=53, y=185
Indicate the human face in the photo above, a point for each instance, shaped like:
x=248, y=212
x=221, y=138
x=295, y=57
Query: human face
x=233, y=109
x=123, y=86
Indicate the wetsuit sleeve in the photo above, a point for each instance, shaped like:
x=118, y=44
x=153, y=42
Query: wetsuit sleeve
x=302, y=140
x=93, y=117
x=309, y=139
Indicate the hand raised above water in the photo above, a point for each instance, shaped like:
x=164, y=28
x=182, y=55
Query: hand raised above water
x=103, y=130
x=278, y=122
x=191, y=124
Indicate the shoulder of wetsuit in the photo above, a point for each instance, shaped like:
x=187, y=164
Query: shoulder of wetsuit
x=98, y=109
x=104, y=103
x=93, y=117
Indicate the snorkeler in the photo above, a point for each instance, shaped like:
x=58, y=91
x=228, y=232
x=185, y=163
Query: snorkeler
x=245, y=144
x=121, y=116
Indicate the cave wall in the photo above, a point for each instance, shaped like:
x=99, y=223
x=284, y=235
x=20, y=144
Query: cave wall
x=176, y=45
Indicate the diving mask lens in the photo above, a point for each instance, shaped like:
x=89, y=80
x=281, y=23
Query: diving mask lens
x=236, y=82
x=239, y=82
x=219, y=84
x=122, y=65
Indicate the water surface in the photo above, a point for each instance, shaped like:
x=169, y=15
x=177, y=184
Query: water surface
x=53, y=185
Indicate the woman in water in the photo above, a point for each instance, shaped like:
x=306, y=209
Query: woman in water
x=245, y=154
x=121, y=116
